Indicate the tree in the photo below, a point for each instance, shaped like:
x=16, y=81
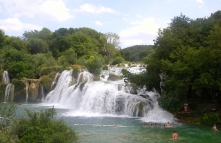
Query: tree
x=20, y=69
x=36, y=45
x=114, y=39
x=2, y=38
x=94, y=64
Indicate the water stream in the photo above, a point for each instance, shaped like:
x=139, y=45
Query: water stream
x=122, y=129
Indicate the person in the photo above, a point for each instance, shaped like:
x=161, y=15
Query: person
x=168, y=124
x=163, y=126
x=180, y=123
x=151, y=126
x=155, y=125
x=144, y=125
x=214, y=128
x=175, y=135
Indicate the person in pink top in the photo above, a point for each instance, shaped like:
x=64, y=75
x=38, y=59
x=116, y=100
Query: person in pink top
x=175, y=135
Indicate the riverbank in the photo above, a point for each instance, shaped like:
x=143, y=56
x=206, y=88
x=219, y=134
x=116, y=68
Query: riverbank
x=192, y=117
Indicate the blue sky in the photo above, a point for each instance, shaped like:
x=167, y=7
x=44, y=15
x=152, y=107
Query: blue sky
x=136, y=22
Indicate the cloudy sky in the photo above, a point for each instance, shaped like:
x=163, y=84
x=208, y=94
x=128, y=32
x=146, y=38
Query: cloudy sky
x=135, y=21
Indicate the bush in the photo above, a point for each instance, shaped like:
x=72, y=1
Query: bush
x=7, y=112
x=210, y=118
x=117, y=60
x=94, y=64
x=48, y=70
x=2, y=91
x=40, y=127
x=76, y=69
x=170, y=102
x=46, y=82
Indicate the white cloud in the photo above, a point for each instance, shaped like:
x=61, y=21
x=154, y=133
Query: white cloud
x=139, y=16
x=200, y=1
x=95, y=9
x=56, y=9
x=142, y=34
x=14, y=24
x=49, y=10
x=135, y=22
x=98, y=23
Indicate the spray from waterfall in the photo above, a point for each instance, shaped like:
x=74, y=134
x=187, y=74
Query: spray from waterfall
x=112, y=98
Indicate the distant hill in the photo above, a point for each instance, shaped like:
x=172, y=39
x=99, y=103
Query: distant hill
x=135, y=53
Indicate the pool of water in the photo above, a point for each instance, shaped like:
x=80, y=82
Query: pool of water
x=112, y=129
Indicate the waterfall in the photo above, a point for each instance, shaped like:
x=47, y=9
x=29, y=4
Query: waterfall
x=42, y=94
x=53, y=84
x=6, y=79
x=9, y=92
x=26, y=88
x=104, y=75
x=87, y=97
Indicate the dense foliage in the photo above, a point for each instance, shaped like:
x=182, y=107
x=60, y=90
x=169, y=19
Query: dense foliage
x=40, y=126
x=185, y=64
x=136, y=53
x=40, y=54
x=24, y=57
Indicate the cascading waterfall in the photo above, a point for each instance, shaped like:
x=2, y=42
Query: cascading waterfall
x=42, y=94
x=5, y=76
x=26, y=88
x=103, y=97
x=9, y=92
x=55, y=80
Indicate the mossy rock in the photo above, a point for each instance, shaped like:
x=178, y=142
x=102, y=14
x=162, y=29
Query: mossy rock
x=76, y=68
x=48, y=70
x=96, y=78
x=105, y=67
x=46, y=82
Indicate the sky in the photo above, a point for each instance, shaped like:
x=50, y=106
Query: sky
x=135, y=21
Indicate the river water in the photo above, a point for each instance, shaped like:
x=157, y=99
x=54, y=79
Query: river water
x=96, y=128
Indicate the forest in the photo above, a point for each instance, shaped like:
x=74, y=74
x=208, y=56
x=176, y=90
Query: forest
x=183, y=65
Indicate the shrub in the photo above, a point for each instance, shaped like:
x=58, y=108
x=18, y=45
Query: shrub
x=7, y=112
x=46, y=82
x=210, y=118
x=170, y=102
x=117, y=60
x=40, y=127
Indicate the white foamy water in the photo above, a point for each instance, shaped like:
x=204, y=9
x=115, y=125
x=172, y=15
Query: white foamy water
x=104, y=98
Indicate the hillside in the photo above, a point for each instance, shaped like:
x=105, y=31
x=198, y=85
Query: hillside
x=135, y=53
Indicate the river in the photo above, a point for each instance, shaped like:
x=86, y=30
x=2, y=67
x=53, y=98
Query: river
x=95, y=128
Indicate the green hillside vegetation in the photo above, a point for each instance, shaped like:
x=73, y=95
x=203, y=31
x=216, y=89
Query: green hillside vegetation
x=41, y=54
x=136, y=53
